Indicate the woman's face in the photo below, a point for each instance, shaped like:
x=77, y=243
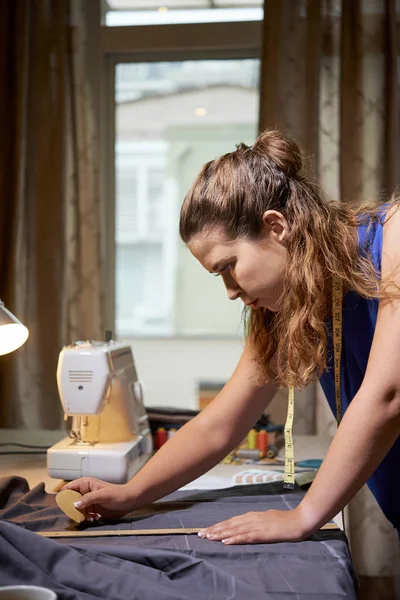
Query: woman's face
x=251, y=270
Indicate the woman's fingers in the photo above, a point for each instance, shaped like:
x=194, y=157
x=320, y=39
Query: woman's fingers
x=248, y=537
x=93, y=517
x=259, y=527
x=83, y=485
x=225, y=529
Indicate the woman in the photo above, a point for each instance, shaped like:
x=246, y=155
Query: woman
x=253, y=219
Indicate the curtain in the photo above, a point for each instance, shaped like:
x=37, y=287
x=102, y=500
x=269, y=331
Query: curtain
x=330, y=79
x=50, y=262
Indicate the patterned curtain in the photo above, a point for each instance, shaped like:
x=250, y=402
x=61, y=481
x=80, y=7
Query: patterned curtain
x=330, y=78
x=50, y=273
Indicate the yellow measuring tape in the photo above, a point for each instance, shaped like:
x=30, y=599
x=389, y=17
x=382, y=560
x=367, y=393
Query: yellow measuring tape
x=337, y=295
x=288, y=481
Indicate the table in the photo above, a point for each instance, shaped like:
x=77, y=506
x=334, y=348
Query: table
x=33, y=466
x=372, y=539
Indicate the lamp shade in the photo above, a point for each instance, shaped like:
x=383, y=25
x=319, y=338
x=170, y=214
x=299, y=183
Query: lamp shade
x=12, y=333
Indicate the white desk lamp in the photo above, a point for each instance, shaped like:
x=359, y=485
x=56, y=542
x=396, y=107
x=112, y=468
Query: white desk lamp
x=12, y=333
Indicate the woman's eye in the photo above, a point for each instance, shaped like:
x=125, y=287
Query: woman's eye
x=223, y=270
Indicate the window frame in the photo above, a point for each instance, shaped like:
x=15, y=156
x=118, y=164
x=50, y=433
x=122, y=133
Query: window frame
x=156, y=43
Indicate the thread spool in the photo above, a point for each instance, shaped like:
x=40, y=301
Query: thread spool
x=247, y=453
x=252, y=439
x=273, y=449
x=262, y=442
x=161, y=437
x=171, y=432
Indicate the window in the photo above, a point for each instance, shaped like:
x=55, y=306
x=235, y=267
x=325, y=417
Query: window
x=172, y=117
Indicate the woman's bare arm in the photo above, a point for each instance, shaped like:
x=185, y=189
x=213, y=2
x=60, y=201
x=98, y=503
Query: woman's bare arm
x=206, y=439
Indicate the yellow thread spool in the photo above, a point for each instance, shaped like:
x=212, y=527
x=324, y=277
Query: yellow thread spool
x=252, y=439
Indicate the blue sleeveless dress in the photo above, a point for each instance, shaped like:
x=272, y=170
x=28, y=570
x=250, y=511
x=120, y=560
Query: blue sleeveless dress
x=359, y=321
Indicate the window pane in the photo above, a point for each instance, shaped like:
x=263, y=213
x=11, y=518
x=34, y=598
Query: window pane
x=127, y=192
x=155, y=197
x=171, y=118
x=151, y=12
x=180, y=4
x=140, y=289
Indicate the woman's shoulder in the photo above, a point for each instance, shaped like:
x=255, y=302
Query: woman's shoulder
x=370, y=227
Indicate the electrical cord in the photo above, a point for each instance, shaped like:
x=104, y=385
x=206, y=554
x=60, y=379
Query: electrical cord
x=24, y=445
x=33, y=449
x=23, y=452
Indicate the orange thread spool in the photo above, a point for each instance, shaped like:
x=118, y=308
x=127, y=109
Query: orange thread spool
x=262, y=442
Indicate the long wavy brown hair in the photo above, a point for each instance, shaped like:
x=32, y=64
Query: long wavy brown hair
x=232, y=192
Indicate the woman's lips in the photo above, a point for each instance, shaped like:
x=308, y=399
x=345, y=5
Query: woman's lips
x=252, y=304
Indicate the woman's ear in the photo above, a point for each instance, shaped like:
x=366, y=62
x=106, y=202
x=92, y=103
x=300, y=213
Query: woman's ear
x=276, y=224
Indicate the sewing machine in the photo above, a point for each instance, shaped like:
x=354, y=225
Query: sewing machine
x=108, y=429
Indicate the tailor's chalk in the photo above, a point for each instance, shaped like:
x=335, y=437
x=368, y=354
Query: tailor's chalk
x=65, y=500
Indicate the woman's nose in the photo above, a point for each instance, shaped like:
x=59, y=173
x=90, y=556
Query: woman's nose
x=232, y=289
x=233, y=294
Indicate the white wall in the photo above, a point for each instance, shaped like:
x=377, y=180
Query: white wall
x=170, y=369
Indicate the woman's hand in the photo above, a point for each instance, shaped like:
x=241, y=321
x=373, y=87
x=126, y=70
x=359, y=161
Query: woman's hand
x=260, y=528
x=101, y=499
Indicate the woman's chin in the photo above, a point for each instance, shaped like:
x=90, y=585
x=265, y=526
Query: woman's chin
x=271, y=307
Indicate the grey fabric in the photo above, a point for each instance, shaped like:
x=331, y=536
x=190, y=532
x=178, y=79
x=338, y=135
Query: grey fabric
x=168, y=567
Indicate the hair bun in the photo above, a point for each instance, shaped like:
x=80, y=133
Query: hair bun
x=242, y=147
x=283, y=151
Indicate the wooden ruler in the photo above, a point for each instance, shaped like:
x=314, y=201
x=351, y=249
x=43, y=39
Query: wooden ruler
x=337, y=295
x=124, y=532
